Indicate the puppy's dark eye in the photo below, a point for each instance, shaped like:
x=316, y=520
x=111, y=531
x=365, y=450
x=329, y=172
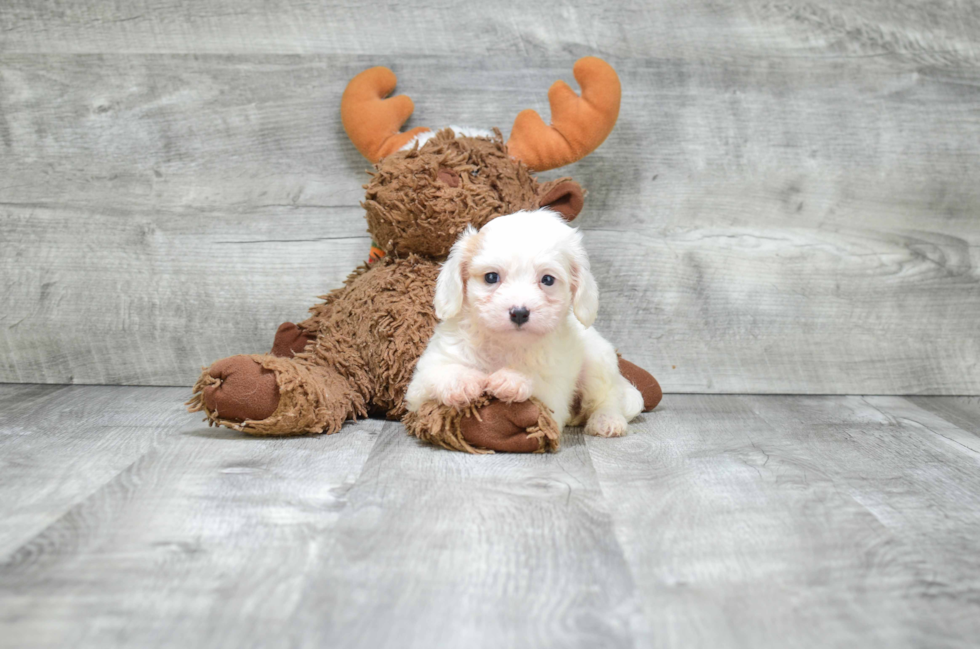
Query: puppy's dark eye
x=547, y=280
x=491, y=278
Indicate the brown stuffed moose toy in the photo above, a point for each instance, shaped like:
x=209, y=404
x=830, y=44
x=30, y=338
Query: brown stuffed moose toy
x=354, y=356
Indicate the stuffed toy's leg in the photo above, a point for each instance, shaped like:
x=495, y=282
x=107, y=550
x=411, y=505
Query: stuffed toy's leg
x=485, y=426
x=642, y=381
x=245, y=393
x=489, y=425
x=261, y=394
x=492, y=425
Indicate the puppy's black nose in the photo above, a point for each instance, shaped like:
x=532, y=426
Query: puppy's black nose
x=519, y=315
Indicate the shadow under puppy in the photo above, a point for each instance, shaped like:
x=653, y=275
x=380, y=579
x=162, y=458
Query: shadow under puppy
x=516, y=302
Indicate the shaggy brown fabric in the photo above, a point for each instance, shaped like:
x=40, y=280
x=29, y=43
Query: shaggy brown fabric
x=312, y=399
x=487, y=425
x=356, y=352
x=290, y=340
x=374, y=329
x=410, y=209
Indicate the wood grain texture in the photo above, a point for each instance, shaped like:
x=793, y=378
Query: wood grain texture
x=152, y=298
x=939, y=31
x=786, y=205
x=222, y=540
x=720, y=521
x=204, y=540
x=59, y=445
x=962, y=412
x=796, y=522
x=446, y=549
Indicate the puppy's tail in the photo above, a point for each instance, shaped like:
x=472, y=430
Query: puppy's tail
x=632, y=399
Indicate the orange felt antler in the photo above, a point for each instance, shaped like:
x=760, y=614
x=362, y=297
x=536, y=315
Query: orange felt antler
x=578, y=124
x=373, y=122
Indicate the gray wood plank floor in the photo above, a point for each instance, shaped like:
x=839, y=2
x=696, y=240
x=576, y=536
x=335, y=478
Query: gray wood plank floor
x=721, y=521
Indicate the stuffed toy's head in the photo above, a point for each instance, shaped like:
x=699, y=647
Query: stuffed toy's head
x=429, y=186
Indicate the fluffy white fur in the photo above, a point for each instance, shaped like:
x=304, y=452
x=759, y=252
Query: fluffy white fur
x=554, y=356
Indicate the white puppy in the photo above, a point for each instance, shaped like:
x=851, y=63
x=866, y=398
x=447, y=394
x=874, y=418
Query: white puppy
x=516, y=302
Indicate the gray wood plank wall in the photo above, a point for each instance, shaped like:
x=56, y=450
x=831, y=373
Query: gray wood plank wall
x=788, y=203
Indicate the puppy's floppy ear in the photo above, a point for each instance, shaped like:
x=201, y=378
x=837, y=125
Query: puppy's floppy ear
x=451, y=285
x=585, y=291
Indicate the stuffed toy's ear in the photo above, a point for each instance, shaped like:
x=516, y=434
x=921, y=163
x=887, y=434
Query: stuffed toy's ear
x=563, y=196
x=585, y=291
x=451, y=284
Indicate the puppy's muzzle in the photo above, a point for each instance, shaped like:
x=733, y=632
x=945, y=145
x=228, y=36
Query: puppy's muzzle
x=519, y=315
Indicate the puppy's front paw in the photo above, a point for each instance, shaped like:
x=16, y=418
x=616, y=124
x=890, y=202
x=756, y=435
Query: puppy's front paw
x=606, y=424
x=463, y=389
x=510, y=386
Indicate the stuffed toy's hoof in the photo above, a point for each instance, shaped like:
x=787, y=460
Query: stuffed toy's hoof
x=503, y=427
x=263, y=394
x=240, y=389
x=290, y=340
x=486, y=426
x=642, y=381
